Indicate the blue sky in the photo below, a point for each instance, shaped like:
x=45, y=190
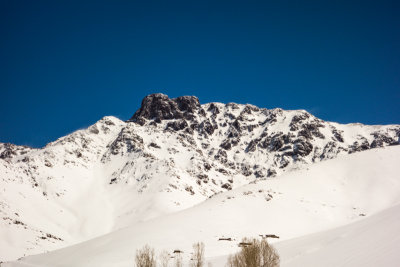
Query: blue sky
x=66, y=64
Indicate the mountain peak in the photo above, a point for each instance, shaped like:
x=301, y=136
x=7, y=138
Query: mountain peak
x=161, y=107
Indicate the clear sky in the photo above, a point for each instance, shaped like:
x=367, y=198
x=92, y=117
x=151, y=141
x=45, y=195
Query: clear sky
x=66, y=64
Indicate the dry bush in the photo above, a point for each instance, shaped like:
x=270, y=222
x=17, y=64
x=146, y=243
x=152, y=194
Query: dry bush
x=198, y=255
x=178, y=260
x=258, y=254
x=269, y=256
x=145, y=257
x=164, y=258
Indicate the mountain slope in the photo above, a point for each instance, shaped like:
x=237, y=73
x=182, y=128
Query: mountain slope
x=171, y=155
x=322, y=197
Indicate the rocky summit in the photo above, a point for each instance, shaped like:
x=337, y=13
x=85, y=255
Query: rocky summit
x=171, y=155
x=160, y=107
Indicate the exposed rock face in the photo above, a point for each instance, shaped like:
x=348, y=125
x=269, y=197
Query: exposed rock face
x=160, y=107
x=8, y=151
x=381, y=140
x=302, y=147
x=128, y=139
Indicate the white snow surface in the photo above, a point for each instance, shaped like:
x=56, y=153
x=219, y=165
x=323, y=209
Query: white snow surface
x=318, y=212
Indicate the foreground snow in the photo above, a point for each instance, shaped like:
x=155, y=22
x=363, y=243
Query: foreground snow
x=371, y=242
x=317, y=212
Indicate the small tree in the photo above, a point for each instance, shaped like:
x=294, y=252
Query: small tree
x=145, y=257
x=257, y=254
x=198, y=255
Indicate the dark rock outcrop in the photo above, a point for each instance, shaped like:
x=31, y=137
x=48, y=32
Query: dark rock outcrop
x=302, y=147
x=127, y=141
x=359, y=146
x=381, y=140
x=160, y=107
x=227, y=186
x=8, y=151
x=206, y=127
x=177, y=125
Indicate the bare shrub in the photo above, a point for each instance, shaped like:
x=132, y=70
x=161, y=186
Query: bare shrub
x=164, y=258
x=198, y=255
x=256, y=254
x=234, y=261
x=178, y=260
x=145, y=257
x=269, y=256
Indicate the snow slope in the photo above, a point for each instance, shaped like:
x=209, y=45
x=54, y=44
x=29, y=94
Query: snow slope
x=371, y=242
x=359, y=193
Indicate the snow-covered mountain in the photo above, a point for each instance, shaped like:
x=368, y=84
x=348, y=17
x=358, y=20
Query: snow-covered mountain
x=170, y=158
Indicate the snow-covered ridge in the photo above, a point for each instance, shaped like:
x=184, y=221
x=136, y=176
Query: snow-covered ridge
x=171, y=155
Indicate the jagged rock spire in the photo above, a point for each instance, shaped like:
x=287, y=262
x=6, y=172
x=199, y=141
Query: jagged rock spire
x=160, y=107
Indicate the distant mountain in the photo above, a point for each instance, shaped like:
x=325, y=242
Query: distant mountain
x=171, y=155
